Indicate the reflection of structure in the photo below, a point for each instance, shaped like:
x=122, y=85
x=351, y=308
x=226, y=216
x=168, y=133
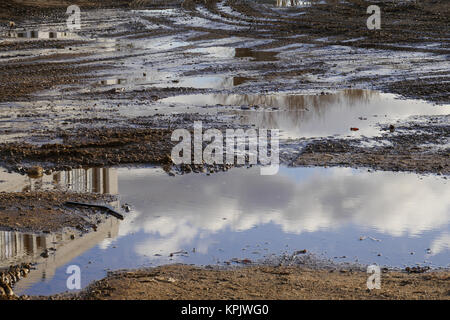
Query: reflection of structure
x=17, y=247
x=256, y=55
x=292, y=3
x=99, y=180
x=34, y=34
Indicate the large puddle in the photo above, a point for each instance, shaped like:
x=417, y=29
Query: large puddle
x=317, y=115
x=38, y=34
x=227, y=52
x=392, y=219
x=293, y=3
x=348, y=215
x=200, y=82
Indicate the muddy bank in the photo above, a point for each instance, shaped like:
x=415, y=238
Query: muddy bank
x=95, y=147
x=418, y=147
x=13, y=10
x=9, y=277
x=416, y=31
x=47, y=212
x=260, y=282
x=19, y=80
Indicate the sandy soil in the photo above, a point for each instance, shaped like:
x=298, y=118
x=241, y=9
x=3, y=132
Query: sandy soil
x=183, y=282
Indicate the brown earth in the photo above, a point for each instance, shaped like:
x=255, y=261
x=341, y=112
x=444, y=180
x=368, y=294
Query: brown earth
x=12, y=10
x=410, y=147
x=406, y=27
x=413, y=148
x=95, y=147
x=182, y=282
x=19, y=79
x=46, y=211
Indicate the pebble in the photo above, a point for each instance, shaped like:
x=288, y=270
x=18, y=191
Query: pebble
x=35, y=172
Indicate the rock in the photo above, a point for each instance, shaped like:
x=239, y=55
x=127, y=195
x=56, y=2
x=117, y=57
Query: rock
x=35, y=172
x=391, y=128
x=8, y=291
x=164, y=279
x=417, y=269
x=45, y=254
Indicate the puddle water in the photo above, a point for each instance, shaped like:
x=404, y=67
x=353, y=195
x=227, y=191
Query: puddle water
x=318, y=115
x=255, y=55
x=392, y=219
x=293, y=3
x=36, y=34
x=207, y=82
x=200, y=82
x=15, y=246
x=227, y=52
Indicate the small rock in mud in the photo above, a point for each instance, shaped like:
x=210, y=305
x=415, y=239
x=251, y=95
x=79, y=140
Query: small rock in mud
x=45, y=254
x=417, y=269
x=35, y=172
x=391, y=128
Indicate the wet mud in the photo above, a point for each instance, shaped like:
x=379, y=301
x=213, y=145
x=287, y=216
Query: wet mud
x=47, y=212
x=310, y=51
x=260, y=282
x=112, y=93
x=407, y=147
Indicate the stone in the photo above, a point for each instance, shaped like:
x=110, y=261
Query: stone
x=35, y=172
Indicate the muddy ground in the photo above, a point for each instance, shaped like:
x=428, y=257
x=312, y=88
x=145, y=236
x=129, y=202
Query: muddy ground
x=55, y=114
x=48, y=212
x=409, y=28
x=180, y=282
x=410, y=149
